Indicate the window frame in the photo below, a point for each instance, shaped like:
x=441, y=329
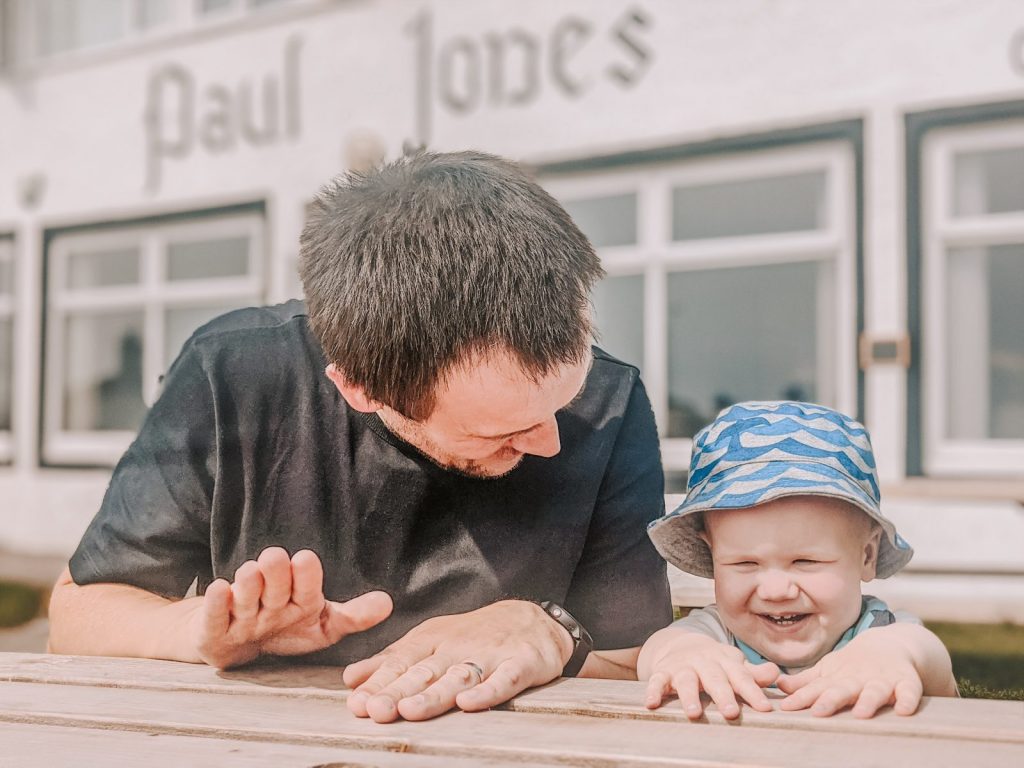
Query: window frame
x=8, y=311
x=941, y=230
x=152, y=296
x=655, y=255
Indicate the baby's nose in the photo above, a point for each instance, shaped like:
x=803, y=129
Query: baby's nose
x=776, y=585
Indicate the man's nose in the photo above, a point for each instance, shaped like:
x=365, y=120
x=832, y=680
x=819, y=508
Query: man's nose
x=776, y=585
x=540, y=441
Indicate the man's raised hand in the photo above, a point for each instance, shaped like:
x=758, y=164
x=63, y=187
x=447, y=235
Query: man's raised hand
x=276, y=605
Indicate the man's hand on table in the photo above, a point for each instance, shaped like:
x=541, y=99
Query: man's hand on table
x=276, y=605
x=472, y=660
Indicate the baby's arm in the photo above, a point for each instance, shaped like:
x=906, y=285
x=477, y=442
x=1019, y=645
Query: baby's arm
x=896, y=665
x=688, y=662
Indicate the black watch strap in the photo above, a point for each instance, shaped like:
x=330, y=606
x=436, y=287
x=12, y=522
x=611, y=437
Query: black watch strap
x=582, y=644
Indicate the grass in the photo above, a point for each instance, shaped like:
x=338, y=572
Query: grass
x=988, y=659
x=18, y=603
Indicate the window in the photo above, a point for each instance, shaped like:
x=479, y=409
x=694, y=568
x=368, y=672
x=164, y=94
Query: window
x=730, y=277
x=6, y=345
x=972, y=301
x=121, y=302
x=64, y=26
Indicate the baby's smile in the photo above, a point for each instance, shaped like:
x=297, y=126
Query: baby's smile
x=784, y=620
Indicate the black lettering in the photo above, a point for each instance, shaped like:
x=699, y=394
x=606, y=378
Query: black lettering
x=567, y=38
x=170, y=79
x=625, y=31
x=460, y=60
x=1017, y=52
x=254, y=133
x=529, y=83
x=421, y=29
x=216, y=129
x=292, y=88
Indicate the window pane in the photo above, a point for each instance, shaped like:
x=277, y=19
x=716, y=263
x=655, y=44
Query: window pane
x=153, y=13
x=6, y=372
x=6, y=272
x=103, y=268
x=103, y=372
x=619, y=310
x=985, y=342
x=794, y=203
x=606, y=220
x=741, y=334
x=67, y=25
x=213, y=6
x=205, y=259
x=988, y=182
x=182, y=321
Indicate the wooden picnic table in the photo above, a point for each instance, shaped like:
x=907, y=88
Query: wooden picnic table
x=83, y=711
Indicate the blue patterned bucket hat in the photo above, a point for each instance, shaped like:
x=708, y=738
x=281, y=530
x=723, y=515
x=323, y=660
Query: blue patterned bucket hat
x=756, y=452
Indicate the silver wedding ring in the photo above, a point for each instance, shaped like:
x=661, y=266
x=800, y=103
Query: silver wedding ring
x=476, y=668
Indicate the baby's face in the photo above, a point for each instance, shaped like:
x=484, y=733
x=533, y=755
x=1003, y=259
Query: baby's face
x=788, y=574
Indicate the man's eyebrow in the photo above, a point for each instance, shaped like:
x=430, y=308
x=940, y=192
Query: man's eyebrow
x=575, y=397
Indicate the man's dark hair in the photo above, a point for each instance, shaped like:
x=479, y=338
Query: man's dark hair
x=412, y=268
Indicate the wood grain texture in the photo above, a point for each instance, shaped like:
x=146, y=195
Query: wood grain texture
x=122, y=702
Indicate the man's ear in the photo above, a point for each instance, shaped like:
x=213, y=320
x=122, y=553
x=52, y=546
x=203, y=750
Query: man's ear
x=869, y=565
x=354, y=395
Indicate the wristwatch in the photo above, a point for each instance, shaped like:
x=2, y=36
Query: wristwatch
x=582, y=644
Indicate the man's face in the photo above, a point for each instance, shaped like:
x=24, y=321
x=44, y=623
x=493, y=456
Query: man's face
x=489, y=414
x=788, y=574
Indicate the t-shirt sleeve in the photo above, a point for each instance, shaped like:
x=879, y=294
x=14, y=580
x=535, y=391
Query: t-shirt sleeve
x=619, y=591
x=152, y=529
x=705, y=621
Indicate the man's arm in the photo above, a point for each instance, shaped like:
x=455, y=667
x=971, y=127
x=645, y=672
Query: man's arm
x=619, y=664
x=274, y=606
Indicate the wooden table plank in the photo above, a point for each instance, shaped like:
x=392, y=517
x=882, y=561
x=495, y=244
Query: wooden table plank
x=497, y=735
x=69, y=747
x=972, y=719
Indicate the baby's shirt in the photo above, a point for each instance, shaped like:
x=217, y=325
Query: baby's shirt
x=873, y=613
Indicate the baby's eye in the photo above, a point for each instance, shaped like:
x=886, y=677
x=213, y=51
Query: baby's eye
x=806, y=561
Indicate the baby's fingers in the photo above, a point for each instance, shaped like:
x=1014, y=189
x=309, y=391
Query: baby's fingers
x=745, y=685
x=687, y=685
x=793, y=683
x=717, y=685
x=876, y=694
x=908, y=695
x=658, y=687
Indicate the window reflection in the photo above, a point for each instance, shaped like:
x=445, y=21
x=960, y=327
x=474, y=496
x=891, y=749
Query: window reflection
x=741, y=334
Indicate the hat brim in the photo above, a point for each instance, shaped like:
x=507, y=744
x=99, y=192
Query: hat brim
x=677, y=537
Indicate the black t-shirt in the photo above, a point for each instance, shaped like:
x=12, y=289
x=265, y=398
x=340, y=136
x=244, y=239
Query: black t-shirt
x=250, y=446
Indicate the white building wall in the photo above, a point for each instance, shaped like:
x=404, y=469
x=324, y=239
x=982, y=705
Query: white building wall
x=352, y=77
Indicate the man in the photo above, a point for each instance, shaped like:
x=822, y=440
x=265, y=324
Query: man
x=466, y=457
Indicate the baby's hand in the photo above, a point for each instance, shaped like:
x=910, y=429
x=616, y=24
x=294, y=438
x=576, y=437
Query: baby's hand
x=688, y=662
x=870, y=672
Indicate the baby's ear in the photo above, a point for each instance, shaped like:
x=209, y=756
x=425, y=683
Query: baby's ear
x=870, y=562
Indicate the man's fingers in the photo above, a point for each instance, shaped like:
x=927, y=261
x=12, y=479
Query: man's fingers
x=275, y=565
x=307, y=580
x=355, y=615
x=245, y=595
x=908, y=695
x=440, y=697
x=216, y=616
x=506, y=681
x=382, y=705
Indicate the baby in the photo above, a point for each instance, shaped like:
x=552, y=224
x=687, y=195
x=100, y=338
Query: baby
x=782, y=510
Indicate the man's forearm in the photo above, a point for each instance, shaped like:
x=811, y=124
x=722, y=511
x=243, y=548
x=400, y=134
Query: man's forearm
x=119, y=620
x=619, y=664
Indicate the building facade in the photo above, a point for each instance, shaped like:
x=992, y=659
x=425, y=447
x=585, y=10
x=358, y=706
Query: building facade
x=792, y=199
